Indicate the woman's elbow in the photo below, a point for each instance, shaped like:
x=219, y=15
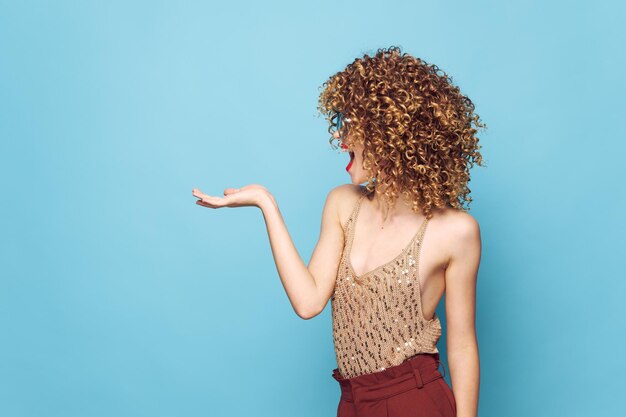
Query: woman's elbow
x=308, y=312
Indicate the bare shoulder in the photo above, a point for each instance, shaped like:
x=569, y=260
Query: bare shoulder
x=459, y=231
x=343, y=198
x=457, y=223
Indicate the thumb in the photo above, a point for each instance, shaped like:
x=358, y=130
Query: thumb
x=231, y=190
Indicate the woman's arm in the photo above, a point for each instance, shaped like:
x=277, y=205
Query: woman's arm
x=308, y=288
x=461, y=276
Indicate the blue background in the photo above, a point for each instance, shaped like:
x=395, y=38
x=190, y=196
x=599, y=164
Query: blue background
x=120, y=296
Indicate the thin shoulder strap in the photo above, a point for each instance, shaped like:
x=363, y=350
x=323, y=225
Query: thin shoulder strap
x=355, y=211
x=349, y=226
x=422, y=230
x=416, y=261
x=416, y=242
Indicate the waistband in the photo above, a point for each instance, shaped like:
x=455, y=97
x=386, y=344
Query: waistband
x=414, y=372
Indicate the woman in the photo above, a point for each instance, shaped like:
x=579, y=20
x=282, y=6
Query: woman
x=410, y=135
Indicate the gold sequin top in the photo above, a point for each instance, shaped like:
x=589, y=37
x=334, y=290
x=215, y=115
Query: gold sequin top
x=377, y=317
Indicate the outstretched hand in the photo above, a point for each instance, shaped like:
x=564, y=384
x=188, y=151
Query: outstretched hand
x=249, y=195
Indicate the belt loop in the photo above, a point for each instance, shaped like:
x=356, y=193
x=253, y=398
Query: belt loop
x=354, y=397
x=442, y=365
x=437, y=357
x=417, y=374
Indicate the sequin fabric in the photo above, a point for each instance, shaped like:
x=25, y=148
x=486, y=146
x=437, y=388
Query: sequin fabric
x=377, y=317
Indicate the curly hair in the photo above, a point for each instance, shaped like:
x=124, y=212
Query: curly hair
x=417, y=129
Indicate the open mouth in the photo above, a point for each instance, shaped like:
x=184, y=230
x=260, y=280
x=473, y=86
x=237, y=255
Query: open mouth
x=351, y=153
x=351, y=160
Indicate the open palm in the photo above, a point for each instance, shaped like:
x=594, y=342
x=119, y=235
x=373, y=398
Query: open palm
x=249, y=195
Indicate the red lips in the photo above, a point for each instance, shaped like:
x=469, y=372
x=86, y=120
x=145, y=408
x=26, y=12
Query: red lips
x=343, y=146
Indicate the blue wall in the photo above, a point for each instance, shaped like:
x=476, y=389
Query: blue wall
x=120, y=296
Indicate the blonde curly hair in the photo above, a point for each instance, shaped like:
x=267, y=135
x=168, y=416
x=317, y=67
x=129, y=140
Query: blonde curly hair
x=417, y=129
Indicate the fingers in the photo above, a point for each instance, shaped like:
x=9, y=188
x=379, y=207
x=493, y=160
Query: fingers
x=197, y=193
x=205, y=204
x=212, y=202
x=206, y=200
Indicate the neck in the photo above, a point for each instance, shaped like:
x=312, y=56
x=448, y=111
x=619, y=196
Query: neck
x=401, y=208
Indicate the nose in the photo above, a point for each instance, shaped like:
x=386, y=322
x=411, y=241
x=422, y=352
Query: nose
x=336, y=134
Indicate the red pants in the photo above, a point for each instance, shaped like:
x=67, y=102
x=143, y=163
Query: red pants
x=415, y=388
